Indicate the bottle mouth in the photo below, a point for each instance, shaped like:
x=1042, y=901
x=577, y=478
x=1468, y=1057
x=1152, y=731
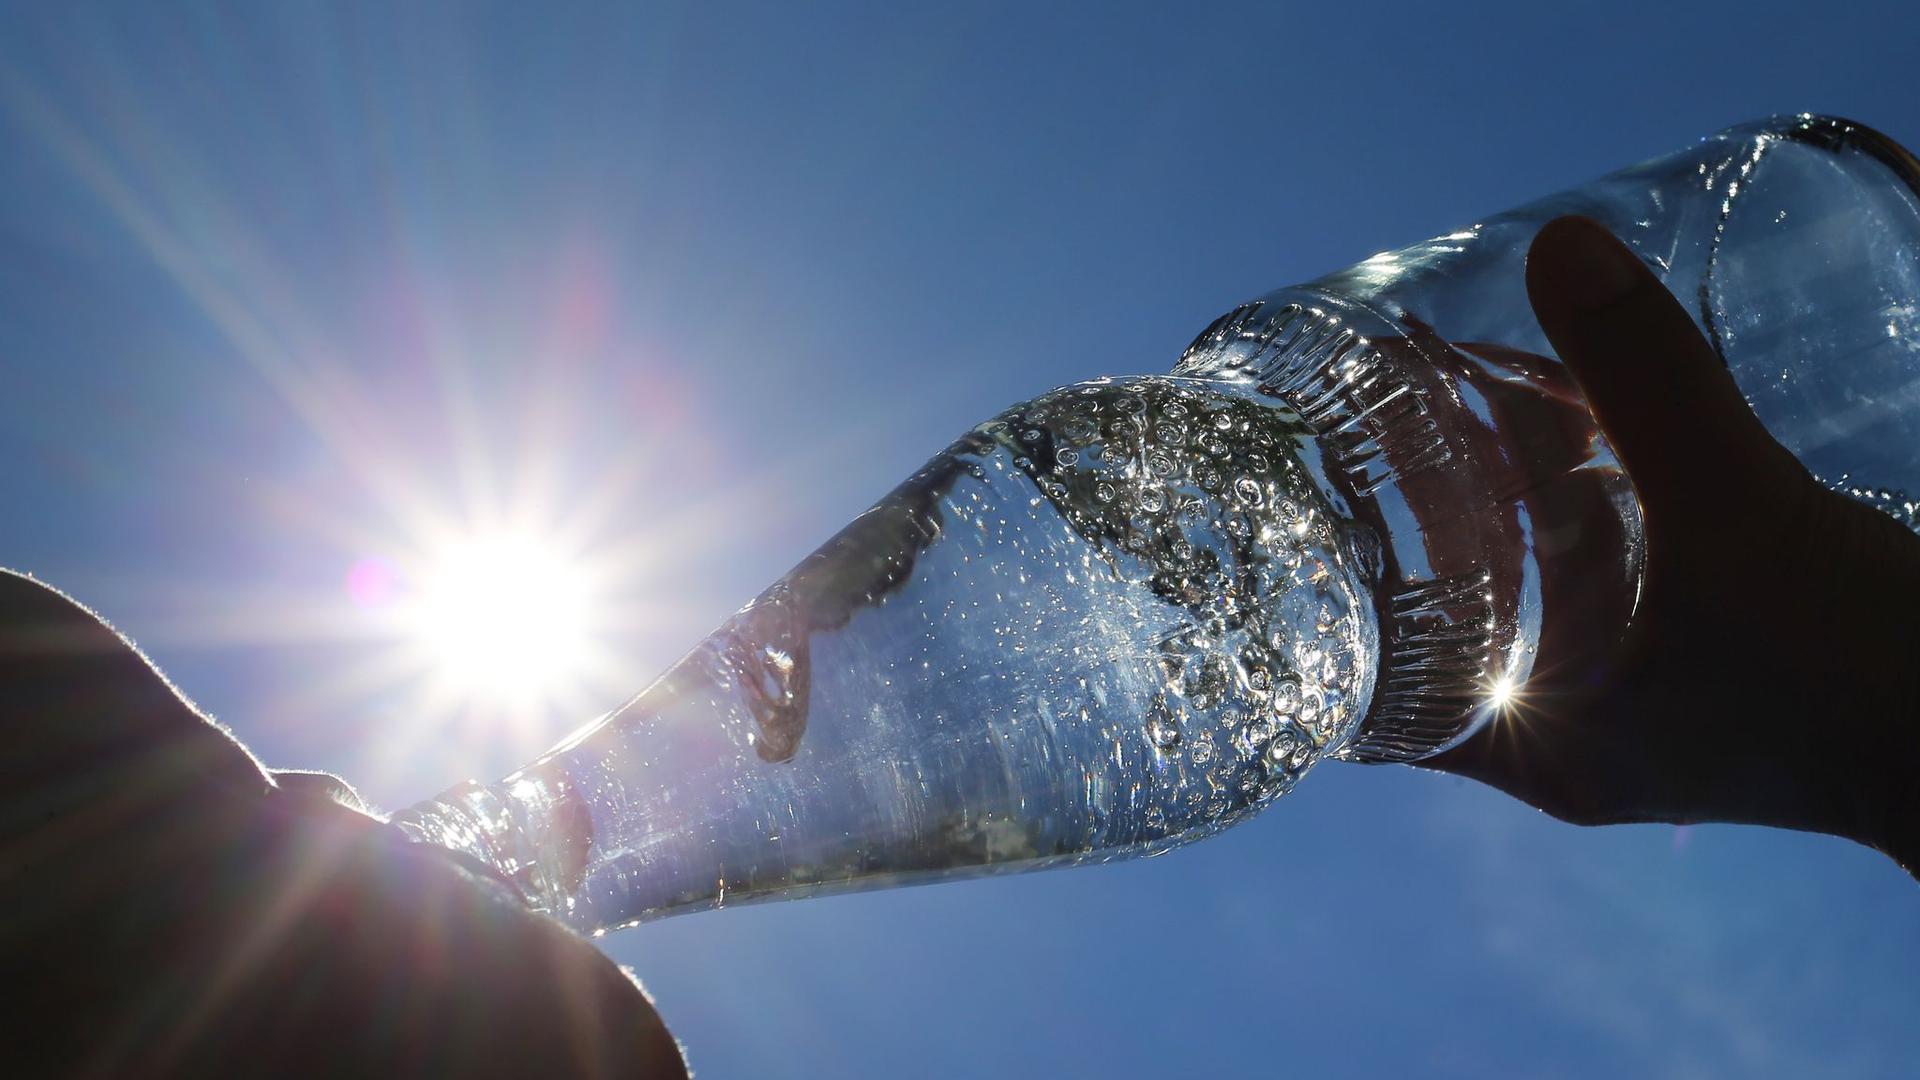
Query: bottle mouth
x=477, y=825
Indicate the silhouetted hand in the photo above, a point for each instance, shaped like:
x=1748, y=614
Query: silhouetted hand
x=1770, y=675
x=174, y=910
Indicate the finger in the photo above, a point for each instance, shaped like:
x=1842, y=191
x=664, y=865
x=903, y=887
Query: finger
x=312, y=786
x=1661, y=394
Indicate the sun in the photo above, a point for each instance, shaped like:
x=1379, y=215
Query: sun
x=507, y=617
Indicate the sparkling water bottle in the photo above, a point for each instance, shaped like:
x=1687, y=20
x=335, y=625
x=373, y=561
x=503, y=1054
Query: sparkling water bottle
x=1124, y=615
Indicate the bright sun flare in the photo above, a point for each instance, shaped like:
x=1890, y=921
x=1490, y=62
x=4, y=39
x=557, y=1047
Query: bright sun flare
x=504, y=617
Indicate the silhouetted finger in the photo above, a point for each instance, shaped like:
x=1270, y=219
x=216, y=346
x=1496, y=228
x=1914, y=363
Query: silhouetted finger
x=1666, y=402
x=312, y=786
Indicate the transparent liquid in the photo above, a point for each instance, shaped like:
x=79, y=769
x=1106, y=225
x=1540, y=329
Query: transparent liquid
x=1115, y=618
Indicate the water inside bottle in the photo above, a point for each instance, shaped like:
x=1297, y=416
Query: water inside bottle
x=1114, y=618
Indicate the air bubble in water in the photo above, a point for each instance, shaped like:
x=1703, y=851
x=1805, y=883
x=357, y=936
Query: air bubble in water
x=1162, y=731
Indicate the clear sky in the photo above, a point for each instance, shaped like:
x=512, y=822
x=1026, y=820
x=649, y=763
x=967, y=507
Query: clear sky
x=294, y=296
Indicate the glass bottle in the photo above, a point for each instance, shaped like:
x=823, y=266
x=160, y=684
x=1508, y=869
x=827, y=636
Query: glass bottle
x=1127, y=614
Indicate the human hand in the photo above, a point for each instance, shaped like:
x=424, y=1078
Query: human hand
x=1771, y=671
x=175, y=910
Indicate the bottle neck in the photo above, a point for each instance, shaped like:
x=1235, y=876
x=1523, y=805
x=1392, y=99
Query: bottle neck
x=1495, y=501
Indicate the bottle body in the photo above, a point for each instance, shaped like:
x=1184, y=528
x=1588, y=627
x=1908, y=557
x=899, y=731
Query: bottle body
x=1358, y=521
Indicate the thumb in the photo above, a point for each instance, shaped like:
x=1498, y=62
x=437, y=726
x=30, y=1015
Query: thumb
x=1662, y=395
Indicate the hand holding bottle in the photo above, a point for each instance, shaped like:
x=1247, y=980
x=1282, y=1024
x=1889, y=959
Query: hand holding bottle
x=1770, y=674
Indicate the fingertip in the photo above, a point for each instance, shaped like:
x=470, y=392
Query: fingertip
x=312, y=786
x=1575, y=263
x=1661, y=393
x=662, y=1054
x=610, y=1020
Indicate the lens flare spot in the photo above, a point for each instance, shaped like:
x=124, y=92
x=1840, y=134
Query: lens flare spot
x=1503, y=694
x=372, y=583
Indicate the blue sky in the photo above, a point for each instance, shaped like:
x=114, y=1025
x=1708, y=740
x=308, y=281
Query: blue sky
x=289, y=289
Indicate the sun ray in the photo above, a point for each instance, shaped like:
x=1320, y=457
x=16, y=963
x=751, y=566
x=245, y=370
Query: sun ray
x=416, y=626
